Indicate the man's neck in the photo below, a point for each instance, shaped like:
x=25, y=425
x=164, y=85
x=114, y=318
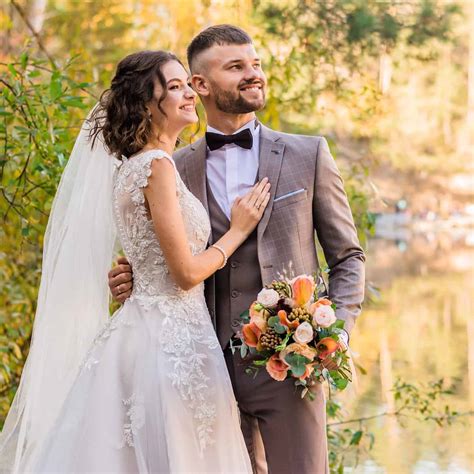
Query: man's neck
x=229, y=123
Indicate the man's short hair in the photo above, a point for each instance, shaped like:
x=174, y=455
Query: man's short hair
x=216, y=35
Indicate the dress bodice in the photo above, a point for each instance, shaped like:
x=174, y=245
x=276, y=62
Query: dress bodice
x=151, y=275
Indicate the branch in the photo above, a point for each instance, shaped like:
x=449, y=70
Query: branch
x=391, y=413
x=41, y=45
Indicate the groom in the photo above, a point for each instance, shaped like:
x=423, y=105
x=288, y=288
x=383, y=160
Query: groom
x=284, y=434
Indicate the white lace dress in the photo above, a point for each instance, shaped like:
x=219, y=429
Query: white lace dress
x=153, y=394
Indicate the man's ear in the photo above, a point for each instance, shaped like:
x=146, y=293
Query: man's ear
x=200, y=85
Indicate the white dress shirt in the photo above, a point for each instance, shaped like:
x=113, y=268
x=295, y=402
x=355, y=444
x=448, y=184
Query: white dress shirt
x=232, y=170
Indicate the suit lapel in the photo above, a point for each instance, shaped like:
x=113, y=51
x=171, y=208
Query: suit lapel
x=270, y=161
x=196, y=171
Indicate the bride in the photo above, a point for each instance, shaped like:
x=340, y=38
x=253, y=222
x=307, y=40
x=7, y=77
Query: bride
x=146, y=390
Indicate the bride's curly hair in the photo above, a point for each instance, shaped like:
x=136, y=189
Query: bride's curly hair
x=121, y=115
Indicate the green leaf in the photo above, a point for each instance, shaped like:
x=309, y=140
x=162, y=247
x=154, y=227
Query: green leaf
x=12, y=70
x=243, y=351
x=274, y=320
x=297, y=363
x=55, y=89
x=356, y=437
x=279, y=328
x=339, y=324
x=23, y=60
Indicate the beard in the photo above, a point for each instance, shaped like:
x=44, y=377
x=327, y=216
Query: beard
x=234, y=103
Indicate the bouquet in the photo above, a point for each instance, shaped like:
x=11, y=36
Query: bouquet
x=293, y=333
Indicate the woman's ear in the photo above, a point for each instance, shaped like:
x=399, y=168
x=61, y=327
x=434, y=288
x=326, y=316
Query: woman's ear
x=200, y=85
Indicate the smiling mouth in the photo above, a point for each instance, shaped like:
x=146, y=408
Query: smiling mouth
x=253, y=87
x=188, y=107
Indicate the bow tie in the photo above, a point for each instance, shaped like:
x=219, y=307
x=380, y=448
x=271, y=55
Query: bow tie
x=243, y=139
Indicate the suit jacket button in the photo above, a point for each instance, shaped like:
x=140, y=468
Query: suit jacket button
x=234, y=264
x=235, y=293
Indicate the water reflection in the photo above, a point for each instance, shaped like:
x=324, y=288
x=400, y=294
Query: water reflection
x=421, y=329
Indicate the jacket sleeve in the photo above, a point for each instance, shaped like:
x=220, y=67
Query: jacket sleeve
x=337, y=235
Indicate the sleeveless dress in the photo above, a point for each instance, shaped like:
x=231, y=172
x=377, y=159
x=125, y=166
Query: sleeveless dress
x=153, y=394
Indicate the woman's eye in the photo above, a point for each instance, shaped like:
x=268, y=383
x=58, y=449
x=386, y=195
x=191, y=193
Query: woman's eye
x=174, y=87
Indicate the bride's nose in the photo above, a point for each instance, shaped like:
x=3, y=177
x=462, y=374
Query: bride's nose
x=189, y=92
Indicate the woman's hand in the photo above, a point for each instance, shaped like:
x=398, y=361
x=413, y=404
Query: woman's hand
x=247, y=211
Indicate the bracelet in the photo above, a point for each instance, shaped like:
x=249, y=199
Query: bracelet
x=221, y=250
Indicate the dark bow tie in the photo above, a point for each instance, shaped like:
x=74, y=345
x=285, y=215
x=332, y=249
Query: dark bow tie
x=243, y=139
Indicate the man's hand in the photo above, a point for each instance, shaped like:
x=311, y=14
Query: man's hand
x=121, y=280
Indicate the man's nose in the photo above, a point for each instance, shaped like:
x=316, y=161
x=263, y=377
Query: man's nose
x=251, y=74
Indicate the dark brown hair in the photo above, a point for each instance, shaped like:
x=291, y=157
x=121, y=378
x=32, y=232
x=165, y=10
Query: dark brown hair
x=122, y=116
x=216, y=35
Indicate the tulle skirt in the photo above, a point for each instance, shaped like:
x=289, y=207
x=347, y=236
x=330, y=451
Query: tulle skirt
x=153, y=395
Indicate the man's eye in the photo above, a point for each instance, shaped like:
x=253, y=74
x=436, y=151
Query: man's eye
x=236, y=66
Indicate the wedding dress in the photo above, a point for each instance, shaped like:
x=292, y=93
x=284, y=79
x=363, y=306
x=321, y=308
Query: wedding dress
x=153, y=394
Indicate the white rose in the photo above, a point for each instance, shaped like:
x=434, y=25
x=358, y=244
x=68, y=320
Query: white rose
x=324, y=316
x=303, y=333
x=268, y=297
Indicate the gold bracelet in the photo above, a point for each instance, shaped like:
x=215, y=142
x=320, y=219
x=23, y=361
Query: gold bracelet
x=221, y=250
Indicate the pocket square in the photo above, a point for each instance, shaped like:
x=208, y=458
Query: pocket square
x=279, y=198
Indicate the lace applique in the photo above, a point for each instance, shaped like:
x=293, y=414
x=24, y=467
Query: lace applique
x=136, y=232
x=186, y=329
x=136, y=416
x=110, y=326
x=181, y=336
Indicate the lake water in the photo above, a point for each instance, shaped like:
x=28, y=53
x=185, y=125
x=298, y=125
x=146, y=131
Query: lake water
x=421, y=329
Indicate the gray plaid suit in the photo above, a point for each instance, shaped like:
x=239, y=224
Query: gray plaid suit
x=283, y=433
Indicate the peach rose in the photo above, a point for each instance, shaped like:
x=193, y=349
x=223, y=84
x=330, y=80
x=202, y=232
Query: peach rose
x=320, y=302
x=303, y=289
x=260, y=321
x=277, y=368
x=326, y=347
x=251, y=333
x=301, y=349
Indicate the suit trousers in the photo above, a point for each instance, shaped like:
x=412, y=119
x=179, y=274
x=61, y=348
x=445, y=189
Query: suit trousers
x=284, y=433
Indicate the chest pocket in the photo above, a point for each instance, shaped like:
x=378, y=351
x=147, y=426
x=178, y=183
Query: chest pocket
x=290, y=198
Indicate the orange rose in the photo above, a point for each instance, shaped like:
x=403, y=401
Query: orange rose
x=317, y=304
x=326, y=347
x=251, y=333
x=303, y=289
x=285, y=321
x=301, y=349
x=277, y=369
x=260, y=321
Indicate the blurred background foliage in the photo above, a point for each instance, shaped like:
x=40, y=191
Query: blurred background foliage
x=389, y=83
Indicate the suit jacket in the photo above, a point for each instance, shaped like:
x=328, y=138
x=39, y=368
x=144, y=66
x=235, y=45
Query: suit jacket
x=307, y=197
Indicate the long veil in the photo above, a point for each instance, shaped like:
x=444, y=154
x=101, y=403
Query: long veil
x=73, y=297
